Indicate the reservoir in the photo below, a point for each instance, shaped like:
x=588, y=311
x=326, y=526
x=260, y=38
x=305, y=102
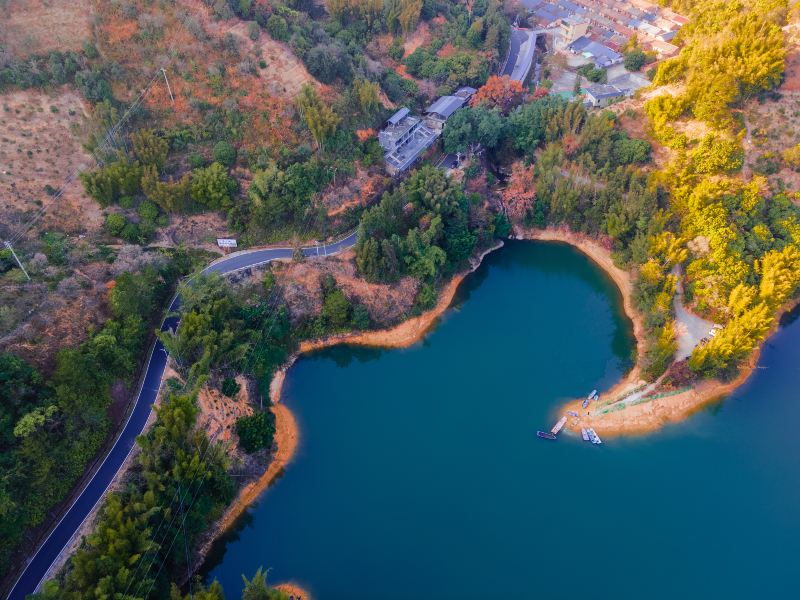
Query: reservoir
x=419, y=473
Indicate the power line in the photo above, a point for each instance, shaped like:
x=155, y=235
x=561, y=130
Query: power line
x=108, y=141
x=153, y=537
x=174, y=537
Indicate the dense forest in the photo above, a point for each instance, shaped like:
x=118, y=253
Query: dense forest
x=741, y=239
x=52, y=429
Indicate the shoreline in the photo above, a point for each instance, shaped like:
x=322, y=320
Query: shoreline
x=639, y=419
x=287, y=434
x=651, y=415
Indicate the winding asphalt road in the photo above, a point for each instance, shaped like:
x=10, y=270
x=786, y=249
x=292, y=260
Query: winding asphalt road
x=37, y=568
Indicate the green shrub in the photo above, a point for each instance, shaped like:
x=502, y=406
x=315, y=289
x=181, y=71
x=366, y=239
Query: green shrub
x=426, y=297
x=277, y=28
x=148, y=211
x=115, y=224
x=336, y=309
x=230, y=387
x=196, y=161
x=224, y=153
x=256, y=431
x=253, y=30
x=396, y=50
x=360, y=318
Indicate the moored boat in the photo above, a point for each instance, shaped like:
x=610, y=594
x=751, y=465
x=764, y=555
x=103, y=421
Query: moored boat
x=584, y=434
x=593, y=437
x=546, y=435
x=572, y=413
x=559, y=426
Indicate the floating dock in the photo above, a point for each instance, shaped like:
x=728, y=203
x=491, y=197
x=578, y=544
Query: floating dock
x=559, y=426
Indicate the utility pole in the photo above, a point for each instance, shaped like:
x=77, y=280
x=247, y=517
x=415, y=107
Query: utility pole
x=8, y=245
x=169, y=89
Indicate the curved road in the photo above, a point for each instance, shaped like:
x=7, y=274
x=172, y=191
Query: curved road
x=37, y=568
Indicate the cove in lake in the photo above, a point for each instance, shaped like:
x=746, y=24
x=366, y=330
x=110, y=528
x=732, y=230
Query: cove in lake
x=419, y=472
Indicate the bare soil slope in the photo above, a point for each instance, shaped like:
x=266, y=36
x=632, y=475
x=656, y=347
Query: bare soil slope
x=39, y=26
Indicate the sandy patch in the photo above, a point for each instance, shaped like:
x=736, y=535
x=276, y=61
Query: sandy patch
x=294, y=591
x=420, y=37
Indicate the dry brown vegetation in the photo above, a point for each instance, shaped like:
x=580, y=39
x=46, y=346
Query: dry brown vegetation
x=40, y=145
x=63, y=302
x=300, y=282
x=218, y=413
x=774, y=124
x=42, y=136
x=185, y=39
x=39, y=26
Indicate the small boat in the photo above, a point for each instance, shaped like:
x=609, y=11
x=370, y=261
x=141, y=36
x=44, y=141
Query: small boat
x=572, y=413
x=585, y=403
x=559, y=426
x=584, y=434
x=593, y=437
x=546, y=435
x=592, y=395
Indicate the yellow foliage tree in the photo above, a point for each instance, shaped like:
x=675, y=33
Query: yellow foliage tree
x=319, y=117
x=780, y=275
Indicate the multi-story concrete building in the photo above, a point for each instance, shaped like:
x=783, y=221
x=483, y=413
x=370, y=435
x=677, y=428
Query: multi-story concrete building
x=570, y=29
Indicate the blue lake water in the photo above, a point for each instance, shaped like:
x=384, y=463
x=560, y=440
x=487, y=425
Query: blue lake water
x=419, y=473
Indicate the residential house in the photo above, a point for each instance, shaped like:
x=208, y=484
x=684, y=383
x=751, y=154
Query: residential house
x=602, y=56
x=601, y=94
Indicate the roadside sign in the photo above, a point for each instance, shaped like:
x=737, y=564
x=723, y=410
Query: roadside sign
x=226, y=243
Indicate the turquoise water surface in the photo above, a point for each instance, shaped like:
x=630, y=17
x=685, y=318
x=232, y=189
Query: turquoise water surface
x=419, y=473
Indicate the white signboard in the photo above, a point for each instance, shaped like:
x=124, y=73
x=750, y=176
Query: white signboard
x=226, y=243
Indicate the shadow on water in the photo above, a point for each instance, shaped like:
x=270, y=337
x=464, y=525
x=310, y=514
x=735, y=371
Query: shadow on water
x=790, y=317
x=344, y=355
x=216, y=554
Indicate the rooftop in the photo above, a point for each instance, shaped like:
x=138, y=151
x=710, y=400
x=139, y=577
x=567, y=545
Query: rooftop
x=602, y=90
x=403, y=157
x=629, y=82
x=446, y=106
x=591, y=49
x=391, y=134
x=398, y=116
x=465, y=92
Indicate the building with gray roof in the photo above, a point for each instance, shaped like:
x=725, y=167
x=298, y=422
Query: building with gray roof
x=602, y=56
x=601, y=94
